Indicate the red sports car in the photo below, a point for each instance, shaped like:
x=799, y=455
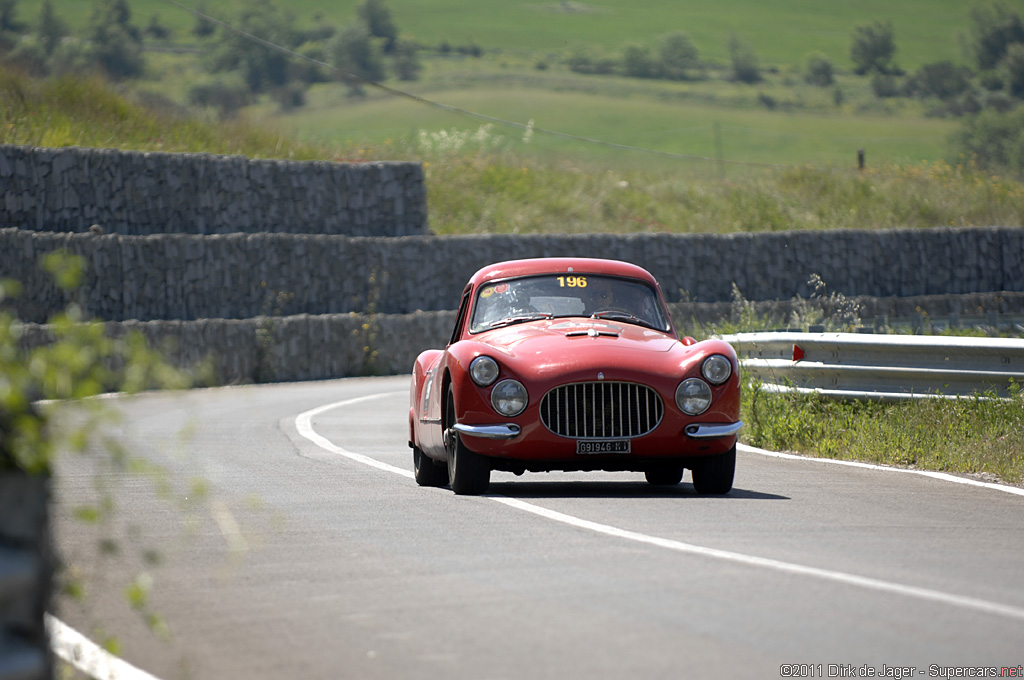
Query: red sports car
x=572, y=364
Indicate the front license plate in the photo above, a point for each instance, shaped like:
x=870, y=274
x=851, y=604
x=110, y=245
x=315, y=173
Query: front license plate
x=602, y=446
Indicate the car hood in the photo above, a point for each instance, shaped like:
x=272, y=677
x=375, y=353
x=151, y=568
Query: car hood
x=584, y=345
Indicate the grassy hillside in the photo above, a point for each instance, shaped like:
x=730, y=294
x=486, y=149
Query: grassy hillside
x=782, y=32
x=487, y=182
x=780, y=121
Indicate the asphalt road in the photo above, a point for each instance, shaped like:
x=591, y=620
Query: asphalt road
x=281, y=546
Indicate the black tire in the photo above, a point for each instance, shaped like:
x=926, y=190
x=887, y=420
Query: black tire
x=714, y=474
x=469, y=474
x=665, y=475
x=427, y=471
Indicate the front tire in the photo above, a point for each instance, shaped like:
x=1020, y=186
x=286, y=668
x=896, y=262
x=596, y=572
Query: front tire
x=427, y=471
x=714, y=474
x=469, y=474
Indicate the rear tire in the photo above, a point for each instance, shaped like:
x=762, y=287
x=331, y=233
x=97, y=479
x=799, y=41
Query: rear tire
x=714, y=474
x=427, y=471
x=469, y=474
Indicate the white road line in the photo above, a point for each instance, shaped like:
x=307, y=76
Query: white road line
x=886, y=468
x=88, y=657
x=303, y=423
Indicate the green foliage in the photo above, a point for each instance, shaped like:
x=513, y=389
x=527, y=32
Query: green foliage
x=872, y=48
x=354, y=51
x=1012, y=67
x=974, y=435
x=994, y=140
x=115, y=43
x=377, y=18
x=994, y=28
x=678, y=57
x=943, y=80
x=81, y=360
x=262, y=69
x=818, y=71
x=745, y=65
x=50, y=28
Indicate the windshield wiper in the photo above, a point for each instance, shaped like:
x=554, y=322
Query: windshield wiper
x=520, y=318
x=624, y=316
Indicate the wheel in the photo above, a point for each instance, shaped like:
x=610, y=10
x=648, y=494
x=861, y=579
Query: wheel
x=427, y=471
x=665, y=475
x=469, y=474
x=714, y=474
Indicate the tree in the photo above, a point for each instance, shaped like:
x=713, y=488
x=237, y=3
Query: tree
x=203, y=28
x=993, y=29
x=50, y=29
x=116, y=45
x=9, y=17
x=637, y=62
x=678, y=57
x=1012, y=67
x=355, y=52
x=745, y=66
x=873, y=48
x=819, y=70
x=944, y=80
x=407, y=60
x=993, y=139
x=261, y=67
x=379, y=23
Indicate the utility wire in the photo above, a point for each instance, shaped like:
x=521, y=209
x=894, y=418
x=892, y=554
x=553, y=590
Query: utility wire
x=351, y=77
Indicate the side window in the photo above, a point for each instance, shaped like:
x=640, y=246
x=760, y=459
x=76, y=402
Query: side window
x=461, y=318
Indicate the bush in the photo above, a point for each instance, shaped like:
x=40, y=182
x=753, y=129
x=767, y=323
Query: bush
x=943, y=80
x=819, y=70
x=885, y=86
x=678, y=57
x=745, y=66
x=1012, y=67
x=994, y=140
x=993, y=29
x=872, y=48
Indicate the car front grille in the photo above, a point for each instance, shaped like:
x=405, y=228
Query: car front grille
x=601, y=410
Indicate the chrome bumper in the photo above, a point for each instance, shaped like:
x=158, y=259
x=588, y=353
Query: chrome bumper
x=699, y=431
x=489, y=431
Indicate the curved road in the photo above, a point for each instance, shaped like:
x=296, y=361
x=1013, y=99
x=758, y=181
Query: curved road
x=286, y=538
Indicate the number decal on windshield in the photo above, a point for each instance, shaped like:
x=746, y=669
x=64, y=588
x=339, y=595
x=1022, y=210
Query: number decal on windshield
x=572, y=281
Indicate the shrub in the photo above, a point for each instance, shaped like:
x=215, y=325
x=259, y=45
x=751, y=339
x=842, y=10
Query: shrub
x=745, y=66
x=872, y=48
x=819, y=70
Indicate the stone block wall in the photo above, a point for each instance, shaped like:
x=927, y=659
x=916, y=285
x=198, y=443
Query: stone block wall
x=239, y=276
x=125, y=192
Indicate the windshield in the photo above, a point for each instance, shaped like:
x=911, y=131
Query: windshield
x=544, y=297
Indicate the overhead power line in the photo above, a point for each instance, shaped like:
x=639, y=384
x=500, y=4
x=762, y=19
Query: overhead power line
x=351, y=77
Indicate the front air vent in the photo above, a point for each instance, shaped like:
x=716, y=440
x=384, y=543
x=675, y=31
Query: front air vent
x=601, y=410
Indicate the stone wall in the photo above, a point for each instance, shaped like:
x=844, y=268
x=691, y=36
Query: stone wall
x=238, y=276
x=125, y=192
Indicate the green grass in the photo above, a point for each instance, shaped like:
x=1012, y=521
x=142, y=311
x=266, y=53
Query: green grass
x=781, y=32
x=973, y=436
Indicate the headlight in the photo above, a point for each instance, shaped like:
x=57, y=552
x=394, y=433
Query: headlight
x=483, y=370
x=716, y=369
x=693, y=396
x=509, y=397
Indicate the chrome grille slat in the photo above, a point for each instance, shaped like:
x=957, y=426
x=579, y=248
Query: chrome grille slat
x=601, y=410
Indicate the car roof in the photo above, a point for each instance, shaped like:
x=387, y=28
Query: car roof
x=560, y=265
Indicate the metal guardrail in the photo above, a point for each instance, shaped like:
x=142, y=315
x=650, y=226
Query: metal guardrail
x=882, y=367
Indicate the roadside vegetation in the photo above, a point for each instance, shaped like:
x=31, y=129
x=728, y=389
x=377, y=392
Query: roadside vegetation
x=944, y=134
